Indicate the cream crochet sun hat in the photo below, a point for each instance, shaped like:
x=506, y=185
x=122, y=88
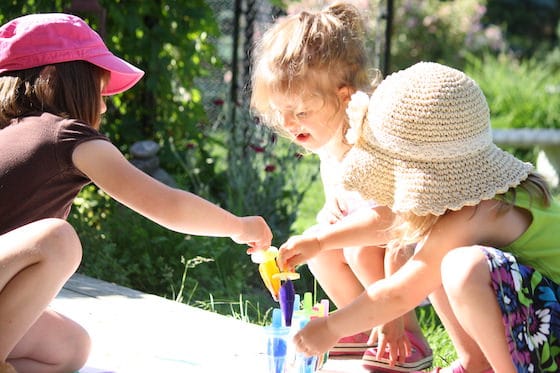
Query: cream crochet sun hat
x=426, y=145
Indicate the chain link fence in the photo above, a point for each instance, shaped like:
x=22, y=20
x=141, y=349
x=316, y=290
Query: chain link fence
x=241, y=22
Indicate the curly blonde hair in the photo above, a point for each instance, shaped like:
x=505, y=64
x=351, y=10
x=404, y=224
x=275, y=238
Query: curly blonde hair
x=312, y=53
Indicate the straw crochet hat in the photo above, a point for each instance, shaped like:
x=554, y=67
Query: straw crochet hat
x=426, y=145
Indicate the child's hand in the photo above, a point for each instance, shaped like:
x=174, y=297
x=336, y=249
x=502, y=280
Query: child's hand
x=297, y=250
x=392, y=341
x=315, y=338
x=255, y=233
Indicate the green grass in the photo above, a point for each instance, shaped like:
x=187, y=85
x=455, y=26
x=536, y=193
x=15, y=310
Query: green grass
x=444, y=352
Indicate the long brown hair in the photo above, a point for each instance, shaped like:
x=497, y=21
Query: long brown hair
x=68, y=89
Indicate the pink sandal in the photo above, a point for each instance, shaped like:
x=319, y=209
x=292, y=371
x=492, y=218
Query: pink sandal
x=420, y=358
x=352, y=345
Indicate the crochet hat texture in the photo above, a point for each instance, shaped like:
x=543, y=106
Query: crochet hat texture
x=42, y=39
x=426, y=145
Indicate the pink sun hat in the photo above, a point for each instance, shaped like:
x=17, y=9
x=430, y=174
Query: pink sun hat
x=43, y=39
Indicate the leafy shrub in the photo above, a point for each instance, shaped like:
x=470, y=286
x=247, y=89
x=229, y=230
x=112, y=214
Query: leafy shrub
x=520, y=93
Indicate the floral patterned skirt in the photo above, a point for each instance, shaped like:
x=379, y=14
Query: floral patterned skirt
x=530, y=312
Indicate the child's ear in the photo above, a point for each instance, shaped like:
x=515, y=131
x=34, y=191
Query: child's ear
x=345, y=93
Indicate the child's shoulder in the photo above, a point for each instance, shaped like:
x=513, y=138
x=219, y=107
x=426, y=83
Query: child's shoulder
x=488, y=223
x=46, y=130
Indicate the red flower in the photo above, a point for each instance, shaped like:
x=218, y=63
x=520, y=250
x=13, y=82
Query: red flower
x=257, y=149
x=270, y=168
x=218, y=101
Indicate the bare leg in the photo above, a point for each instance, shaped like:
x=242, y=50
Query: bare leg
x=467, y=296
x=470, y=355
x=36, y=260
x=53, y=344
x=366, y=263
x=394, y=260
x=337, y=278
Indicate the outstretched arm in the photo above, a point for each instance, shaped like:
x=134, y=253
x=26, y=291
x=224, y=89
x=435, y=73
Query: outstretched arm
x=366, y=227
x=172, y=208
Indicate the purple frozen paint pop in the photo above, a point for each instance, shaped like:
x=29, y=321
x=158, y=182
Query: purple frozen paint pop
x=287, y=297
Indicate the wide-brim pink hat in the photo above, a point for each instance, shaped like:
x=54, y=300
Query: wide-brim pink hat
x=43, y=39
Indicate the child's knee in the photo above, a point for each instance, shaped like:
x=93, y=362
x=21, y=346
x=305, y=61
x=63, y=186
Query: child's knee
x=365, y=256
x=78, y=346
x=61, y=243
x=462, y=267
x=81, y=350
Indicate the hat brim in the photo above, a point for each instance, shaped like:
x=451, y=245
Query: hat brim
x=427, y=187
x=123, y=74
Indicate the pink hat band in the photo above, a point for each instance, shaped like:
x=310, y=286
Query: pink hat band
x=44, y=39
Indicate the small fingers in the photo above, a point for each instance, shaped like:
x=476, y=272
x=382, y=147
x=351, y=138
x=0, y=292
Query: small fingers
x=407, y=346
x=372, y=340
x=288, y=258
x=301, y=346
x=402, y=352
x=290, y=264
x=381, y=348
x=283, y=262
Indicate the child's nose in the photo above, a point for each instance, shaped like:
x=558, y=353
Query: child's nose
x=288, y=121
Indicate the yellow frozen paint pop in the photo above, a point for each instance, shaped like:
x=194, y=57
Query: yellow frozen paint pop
x=268, y=268
x=269, y=271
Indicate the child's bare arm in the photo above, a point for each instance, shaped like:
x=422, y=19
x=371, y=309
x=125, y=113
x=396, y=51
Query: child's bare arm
x=175, y=209
x=367, y=227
